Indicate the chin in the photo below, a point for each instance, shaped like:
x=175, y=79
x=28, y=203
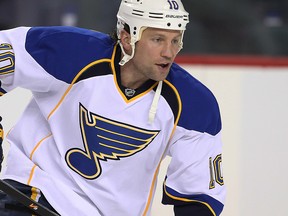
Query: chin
x=161, y=78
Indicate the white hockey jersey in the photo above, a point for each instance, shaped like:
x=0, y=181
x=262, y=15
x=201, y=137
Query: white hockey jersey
x=88, y=146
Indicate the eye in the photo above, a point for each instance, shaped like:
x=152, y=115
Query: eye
x=157, y=39
x=176, y=41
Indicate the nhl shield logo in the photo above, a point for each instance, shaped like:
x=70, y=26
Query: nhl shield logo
x=129, y=92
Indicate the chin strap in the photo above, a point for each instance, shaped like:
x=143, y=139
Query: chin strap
x=154, y=105
x=126, y=57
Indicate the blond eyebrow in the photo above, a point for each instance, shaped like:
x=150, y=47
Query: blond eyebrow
x=165, y=36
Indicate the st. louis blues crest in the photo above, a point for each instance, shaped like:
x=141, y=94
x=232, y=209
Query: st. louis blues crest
x=105, y=139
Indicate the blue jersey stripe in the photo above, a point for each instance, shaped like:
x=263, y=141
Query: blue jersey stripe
x=64, y=51
x=215, y=206
x=200, y=111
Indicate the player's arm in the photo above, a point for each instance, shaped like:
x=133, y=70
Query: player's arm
x=192, y=209
x=194, y=182
x=17, y=67
x=7, y=65
x=35, y=58
x=11, y=45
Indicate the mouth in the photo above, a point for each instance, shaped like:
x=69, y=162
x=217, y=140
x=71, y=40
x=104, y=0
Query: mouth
x=164, y=66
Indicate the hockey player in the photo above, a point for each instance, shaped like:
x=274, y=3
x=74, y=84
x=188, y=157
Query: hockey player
x=105, y=113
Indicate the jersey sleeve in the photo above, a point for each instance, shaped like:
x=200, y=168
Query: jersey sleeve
x=194, y=183
x=17, y=67
x=194, y=176
x=43, y=58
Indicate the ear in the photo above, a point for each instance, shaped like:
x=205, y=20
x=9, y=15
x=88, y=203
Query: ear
x=125, y=40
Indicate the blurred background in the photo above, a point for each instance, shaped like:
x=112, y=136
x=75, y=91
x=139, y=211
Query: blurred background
x=251, y=89
x=254, y=27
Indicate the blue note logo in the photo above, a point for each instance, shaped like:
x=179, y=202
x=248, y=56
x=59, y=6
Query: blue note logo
x=105, y=139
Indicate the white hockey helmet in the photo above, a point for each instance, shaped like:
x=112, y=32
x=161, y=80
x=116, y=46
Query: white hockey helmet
x=139, y=14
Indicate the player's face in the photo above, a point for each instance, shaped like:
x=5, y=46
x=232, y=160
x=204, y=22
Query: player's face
x=155, y=53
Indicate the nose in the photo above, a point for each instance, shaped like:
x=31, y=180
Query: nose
x=168, y=51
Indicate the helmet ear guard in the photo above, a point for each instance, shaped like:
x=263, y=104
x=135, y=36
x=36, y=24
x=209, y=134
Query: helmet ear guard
x=139, y=14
